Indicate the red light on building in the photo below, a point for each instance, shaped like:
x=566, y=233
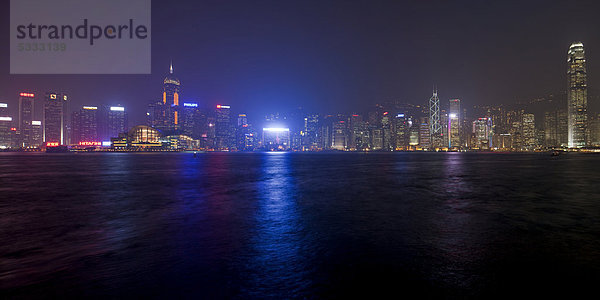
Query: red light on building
x=28, y=95
x=90, y=143
x=218, y=105
x=52, y=144
x=13, y=129
x=385, y=113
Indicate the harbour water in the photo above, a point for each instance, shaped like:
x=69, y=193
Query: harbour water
x=298, y=225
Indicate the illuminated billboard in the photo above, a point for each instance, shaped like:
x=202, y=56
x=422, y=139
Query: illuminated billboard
x=90, y=144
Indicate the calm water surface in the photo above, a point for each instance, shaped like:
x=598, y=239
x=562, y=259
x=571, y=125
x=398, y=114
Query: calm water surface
x=294, y=225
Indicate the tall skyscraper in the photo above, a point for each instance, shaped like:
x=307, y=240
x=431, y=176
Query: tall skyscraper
x=424, y=135
x=113, y=122
x=556, y=128
x=171, y=89
x=54, y=118
x=166, y=115
x=189, y=118
x=529, y=135
x=36, y=133
x=435, y=126
x=401, y=132
x=85, y=125
x=310, y=138
x=5, y=127
x=339, y=134
x=482, y=133
x=24, y=127
x=454, y=123
x=577, y=95
x=245, y=138
x=223, y=133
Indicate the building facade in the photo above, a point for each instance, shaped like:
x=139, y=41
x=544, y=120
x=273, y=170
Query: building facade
x=55, y=105
x=577, y=96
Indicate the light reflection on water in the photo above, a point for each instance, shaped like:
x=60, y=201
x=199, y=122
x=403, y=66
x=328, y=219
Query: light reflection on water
x=287, y=225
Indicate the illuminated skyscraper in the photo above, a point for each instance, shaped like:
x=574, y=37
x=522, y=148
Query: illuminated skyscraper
x=113, y=121
x=84, y=125
x=556, y=128
x=482, y=133
x=171, y=89
x=24, y=127
x=54, y=118
x=189, y=119
x=454, y=123
x=5, y=127
x=577, y=96
x=165, y=115
x=36, y=133
x=424, y=135
x=386, y=126
x=529, y=135
x=435, y=126
x=401, y=131
x=224, y=134
x=310, y=132
x=339, y=134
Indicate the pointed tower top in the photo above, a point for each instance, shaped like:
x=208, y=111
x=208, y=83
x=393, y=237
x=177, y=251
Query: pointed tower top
x=171, y=68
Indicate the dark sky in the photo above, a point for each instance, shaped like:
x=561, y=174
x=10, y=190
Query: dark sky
x=340, y=56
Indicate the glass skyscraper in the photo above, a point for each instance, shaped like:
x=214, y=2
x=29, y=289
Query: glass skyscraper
x=577, y=96
x=85, y=125
x=435, y=127
x=24, y=126
x=454, y=123
x=54, y=118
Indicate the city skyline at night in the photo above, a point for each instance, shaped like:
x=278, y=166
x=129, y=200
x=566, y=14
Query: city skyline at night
x=299, y=149
x=431, y=125
x=276, y=63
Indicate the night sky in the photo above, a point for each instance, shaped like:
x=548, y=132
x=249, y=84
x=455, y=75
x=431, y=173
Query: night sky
x=340, y=56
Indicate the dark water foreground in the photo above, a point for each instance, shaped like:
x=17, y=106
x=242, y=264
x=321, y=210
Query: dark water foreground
x=292, y=225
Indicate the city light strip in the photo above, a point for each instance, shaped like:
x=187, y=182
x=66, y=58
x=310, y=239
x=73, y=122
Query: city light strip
x=3, y=105
x=5, y=119
x=28, y=95
x=117, y=108
x=276, y=129
x=39, y=123
x=90, y=107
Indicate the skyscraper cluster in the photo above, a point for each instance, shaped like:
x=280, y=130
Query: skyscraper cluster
x=437, y=125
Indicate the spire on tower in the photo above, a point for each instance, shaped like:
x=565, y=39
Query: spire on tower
x=171, y=69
